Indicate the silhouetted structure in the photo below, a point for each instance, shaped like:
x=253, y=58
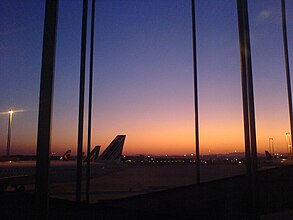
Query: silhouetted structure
x=287, y=67
x=81, y=101
x=45, y=109
x=90, y=100
x=248, y=103
x=195, y=93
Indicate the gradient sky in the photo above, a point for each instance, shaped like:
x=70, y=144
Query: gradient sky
x=143, y=74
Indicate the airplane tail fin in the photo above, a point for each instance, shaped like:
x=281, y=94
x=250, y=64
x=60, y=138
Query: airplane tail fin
x=66, y=155
x=114, y=150
x=268, y=155
x=93, y=155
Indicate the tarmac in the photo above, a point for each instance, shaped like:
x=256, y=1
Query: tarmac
x=227, y=198
x=145, y=178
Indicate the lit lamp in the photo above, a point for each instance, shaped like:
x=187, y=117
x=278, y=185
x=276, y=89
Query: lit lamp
x=10, y=115
x=289, y=145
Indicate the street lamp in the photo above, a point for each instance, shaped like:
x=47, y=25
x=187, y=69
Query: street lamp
x=10, y=115
x=289, y=144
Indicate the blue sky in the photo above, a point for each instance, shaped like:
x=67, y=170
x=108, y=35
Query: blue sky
x=143, y=82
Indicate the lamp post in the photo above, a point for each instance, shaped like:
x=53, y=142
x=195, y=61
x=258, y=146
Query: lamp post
x=289, y=144
x=10, y=115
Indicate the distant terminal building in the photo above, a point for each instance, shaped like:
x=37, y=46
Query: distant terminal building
x=182, y=159
x=139, y=159
x=132, y=159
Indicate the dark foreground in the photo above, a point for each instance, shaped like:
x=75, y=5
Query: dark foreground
x=222, y=199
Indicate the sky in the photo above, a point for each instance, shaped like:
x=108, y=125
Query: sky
x=143, y=75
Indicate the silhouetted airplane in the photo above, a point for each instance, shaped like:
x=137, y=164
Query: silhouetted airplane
x=275, y=160
x=93, y=155
x=19, y=173
x=66, y=156
x=268, y=155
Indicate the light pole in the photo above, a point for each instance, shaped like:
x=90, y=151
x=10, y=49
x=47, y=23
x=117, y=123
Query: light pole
x=10, y=115
x=289, y=144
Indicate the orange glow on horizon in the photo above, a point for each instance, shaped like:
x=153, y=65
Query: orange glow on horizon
x=167, y=137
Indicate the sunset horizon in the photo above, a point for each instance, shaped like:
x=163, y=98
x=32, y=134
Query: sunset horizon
x=143, y=76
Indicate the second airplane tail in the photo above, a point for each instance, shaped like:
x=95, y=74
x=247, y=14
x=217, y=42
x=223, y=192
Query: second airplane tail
x=268, y=155
x=93, y=155
x=66, y=155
